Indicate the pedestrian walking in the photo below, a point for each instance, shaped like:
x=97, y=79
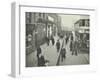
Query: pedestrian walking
x=38, y=51
x=47, y=40
x=66, y=39
x=53, y=41
x=58, y=45
x=63, y=54
x=72, y=37
x=75, y=47
x=70, y=45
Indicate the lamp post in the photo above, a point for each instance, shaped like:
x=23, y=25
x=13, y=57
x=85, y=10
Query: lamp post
x=35, y=36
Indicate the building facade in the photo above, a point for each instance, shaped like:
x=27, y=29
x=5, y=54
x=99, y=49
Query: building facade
x=55, y=23
x=82, y=31
x=35, y=30
x=38, y=27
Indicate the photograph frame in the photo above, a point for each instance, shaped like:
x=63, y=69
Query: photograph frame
x=17, y=51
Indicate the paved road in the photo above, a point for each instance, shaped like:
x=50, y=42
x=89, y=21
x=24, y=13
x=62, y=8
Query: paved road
x=81, y=58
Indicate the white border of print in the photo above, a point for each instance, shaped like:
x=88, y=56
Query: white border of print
x=18, y=40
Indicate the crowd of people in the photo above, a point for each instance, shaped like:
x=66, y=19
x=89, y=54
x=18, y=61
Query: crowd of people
x=61, y=49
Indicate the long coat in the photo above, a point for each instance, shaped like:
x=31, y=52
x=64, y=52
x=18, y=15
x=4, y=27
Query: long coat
x=71, y=46
x=53, y=41
x=58, y=45
x=74, y=46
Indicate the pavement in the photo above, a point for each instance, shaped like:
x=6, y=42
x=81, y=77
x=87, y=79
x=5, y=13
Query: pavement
x=81, y=58
x=50, y=53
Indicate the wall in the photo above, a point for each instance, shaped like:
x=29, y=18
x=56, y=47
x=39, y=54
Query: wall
x=5, y=41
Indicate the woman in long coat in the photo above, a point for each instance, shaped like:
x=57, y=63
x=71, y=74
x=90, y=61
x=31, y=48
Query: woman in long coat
x=63, y=54
x=75, y=47
x=58, y=45
x=71, y=46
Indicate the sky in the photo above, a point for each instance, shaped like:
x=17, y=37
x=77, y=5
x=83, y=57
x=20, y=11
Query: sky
x=68, y=20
